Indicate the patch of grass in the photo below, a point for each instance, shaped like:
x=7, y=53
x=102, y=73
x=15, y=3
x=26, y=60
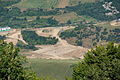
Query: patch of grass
x=65, y=17
x=58, y=69
x=37, y=3
x=63, y=3
x=86, y=18
x=107, y=25
x=75, y=2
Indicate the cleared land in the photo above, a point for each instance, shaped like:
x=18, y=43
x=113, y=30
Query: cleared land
x=13, y=36
x=62, y=50
x=114, y=23
x=109, y=25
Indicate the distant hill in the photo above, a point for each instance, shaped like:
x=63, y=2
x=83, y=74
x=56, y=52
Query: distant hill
x=49, y=3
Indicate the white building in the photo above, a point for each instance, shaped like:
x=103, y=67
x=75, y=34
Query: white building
x=5, y=29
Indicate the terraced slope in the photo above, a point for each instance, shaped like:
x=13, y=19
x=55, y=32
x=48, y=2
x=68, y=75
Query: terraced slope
x=63, y=3
x=37, y=3
x=48, y=3
x=74, y=2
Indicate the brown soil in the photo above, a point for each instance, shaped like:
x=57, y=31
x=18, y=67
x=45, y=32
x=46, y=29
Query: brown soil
x=62, y=50
x=63, y=3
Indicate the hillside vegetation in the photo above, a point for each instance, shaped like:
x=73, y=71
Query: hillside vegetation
x=37, y=3
x=101, y=63
x=90, y=35
x=76, y=2
x=33, y=39
x=24, y=4
x=16, y=17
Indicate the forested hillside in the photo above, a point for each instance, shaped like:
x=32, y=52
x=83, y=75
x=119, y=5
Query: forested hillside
x=16, y=17
x=91, y=12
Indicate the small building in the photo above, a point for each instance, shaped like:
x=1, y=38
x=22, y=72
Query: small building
x=5, y=29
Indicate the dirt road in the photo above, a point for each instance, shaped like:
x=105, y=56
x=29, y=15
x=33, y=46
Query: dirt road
x=62, y=50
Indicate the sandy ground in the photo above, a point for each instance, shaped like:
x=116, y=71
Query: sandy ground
x=63, y=3
x=13, y=36
x=114, y=23
x=62, y=50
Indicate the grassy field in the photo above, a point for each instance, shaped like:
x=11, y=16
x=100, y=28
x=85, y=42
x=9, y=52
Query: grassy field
x=58, y=69
x=86, y=18
x=37, y=3
x=63, y=3
x=65, y=17
x=74, y=2
x=107, y=25
x=24, y=4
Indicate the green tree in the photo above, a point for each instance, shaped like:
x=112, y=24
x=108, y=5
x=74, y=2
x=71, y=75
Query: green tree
x=11, y=64
x=38, y=18
x=69, y=22
x=102, y=63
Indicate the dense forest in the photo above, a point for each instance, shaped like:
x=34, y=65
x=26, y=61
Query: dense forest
x=33, y=39
x=22, y=45
x=2, y=37
x=5, y=3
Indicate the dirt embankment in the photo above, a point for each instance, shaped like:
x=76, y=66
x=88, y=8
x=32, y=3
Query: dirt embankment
x=13, y=36
x=115, y=23
x=62, y=50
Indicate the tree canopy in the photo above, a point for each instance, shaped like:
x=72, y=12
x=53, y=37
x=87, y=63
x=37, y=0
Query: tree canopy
x=11, y=64
x=102, y=63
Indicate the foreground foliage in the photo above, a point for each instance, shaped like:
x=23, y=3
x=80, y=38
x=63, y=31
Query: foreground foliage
x=11, y=64
x=102, y=63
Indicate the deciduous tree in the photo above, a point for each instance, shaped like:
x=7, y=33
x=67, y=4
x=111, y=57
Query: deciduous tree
x=102, y=63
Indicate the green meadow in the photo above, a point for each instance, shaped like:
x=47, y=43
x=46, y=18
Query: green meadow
x=59, y=69
x=37, y=3
x=74, y=2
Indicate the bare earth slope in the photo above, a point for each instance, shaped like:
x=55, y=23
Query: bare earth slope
x=62, y=50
